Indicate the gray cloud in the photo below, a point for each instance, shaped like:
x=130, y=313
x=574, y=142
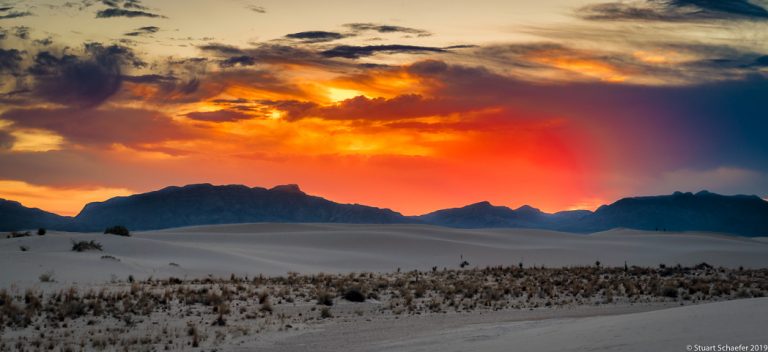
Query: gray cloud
x=362, y=27
x=221, y=49
x=21, y=32
x=355, y=52
x=10, y=60
x=242, y=60
x=81, y=81
x=115, y=12
x=102, y=127
x=6, y=140
x=219, y=116
x=316, y=36
x=8, y=13
x=675, y=11
x=143, y=31
x=257, y=9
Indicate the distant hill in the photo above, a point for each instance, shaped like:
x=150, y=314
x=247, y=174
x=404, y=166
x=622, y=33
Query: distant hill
x=14, y=216
x=483, y=214
x=703, y=211
x=205, y=204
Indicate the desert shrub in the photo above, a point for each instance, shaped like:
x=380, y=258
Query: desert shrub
x=41, y=231
x=266, y=307
x=326, y=313
x=118, y=230
x=46, y=277
x=17, y=234
x=354, y=295
x=669, y=291
x=109, y=257
x=23, y=248
x=324, y=298
x=86, y=246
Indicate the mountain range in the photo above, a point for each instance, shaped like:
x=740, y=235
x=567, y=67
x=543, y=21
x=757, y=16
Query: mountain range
x=204, y=204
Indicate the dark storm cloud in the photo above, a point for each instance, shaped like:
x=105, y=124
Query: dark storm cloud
x=143, y=31
x=362, y=27
x=675, y=10
x=10, y=60
x=355, y=52
x=316, y=36
x=219, y=116
x=707, y=125
x=85, y=81
x=6, y=140
x=761, y=61
x=102, y=127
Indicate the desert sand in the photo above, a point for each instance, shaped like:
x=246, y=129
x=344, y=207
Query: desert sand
x=275, y=249
x=205, y=285
x=598, y=329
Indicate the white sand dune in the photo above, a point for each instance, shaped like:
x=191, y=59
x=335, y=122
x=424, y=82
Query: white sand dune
x=275, y=249
x=740, y=322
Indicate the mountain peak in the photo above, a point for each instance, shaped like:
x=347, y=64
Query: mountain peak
x=528, y=209
x=483, y=204
x=291, y=188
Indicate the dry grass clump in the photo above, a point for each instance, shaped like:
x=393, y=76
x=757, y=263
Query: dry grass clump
x=17, y=234
x=82, y=246
x=117, y=230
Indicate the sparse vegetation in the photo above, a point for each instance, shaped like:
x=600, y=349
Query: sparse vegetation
x=208, y=311
x=41, y=231
x=118, y=230
x=82, y=246
x=17, y=234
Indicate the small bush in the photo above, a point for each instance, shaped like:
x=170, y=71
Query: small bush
x=326, y=313
x=118, y=230
x=23, y=248
x=46, y=277
x=324, y=298
x=86, y=246
x=41, y=231
x=16, y=234
x=669, y=291
x=354, y=295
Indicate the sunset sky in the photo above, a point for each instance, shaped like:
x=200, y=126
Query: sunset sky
x=410, y=105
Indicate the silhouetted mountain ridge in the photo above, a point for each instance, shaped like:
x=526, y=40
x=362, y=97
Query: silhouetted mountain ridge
x=204, y=204
x=14, y=216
